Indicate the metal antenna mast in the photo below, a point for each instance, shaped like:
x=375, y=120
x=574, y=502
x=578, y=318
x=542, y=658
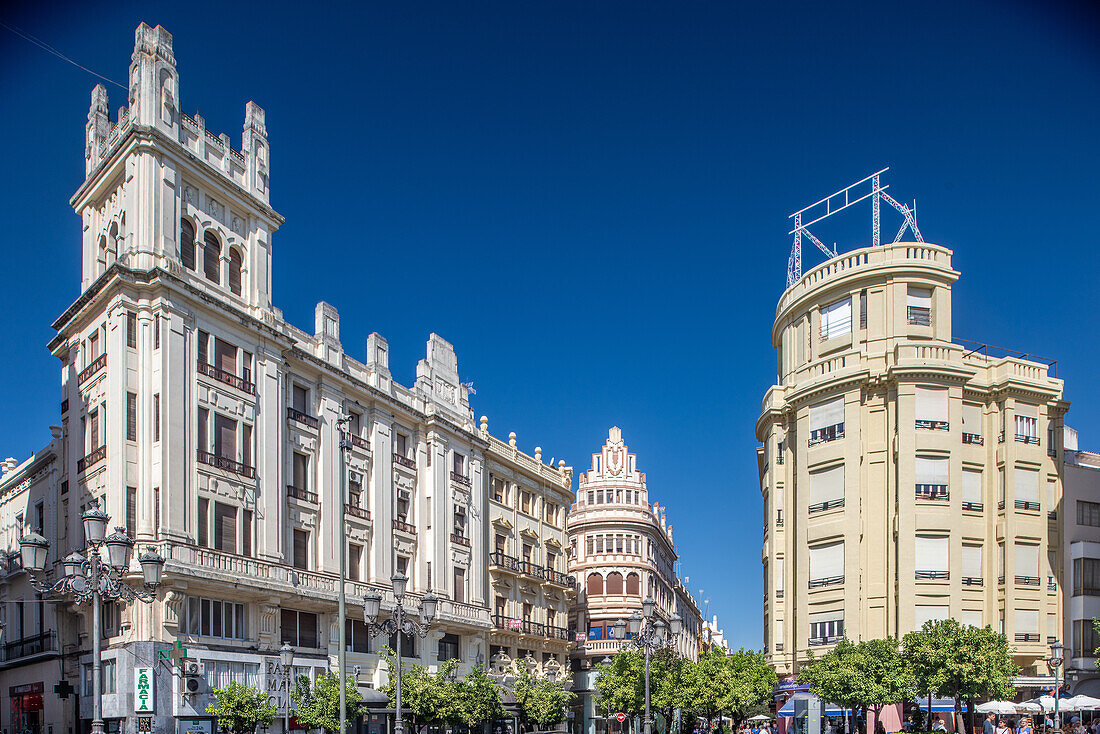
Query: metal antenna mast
x=866, y=188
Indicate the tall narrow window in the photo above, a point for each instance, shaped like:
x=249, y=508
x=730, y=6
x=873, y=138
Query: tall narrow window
x=246, y=444
x=156, y=417
x=225, y=527
x=246, y=533
x=131, y=416
x=1027, y=423
x=225, y=437
x=235, y=264
x=202, y=343
x=1027, y=564
x=156, y=332
x=460, y=585
x=863, y=309
x=355, y=561
x=131, y=512
x=187, y=244
x=225, y=356
x=972, y=490
x=201, y=523
x=827, y=421
x=203, y=420
x=211, y=257
x=1025, y=487
x=93, y=429
x=301, y=470
x=972, y=423
x=131, y=329
x=301, y=549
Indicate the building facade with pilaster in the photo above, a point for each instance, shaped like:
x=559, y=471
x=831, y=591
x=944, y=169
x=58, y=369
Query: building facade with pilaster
x=906, y=476
x=205, y=425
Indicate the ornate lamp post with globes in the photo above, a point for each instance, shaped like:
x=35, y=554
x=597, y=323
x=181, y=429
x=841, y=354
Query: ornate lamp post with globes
x=88, y=578
x=653, y=635
x=401, y=623
x=1057, y=657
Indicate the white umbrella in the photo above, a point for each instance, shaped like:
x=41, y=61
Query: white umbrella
x=1047, y=703
x=1004, y=708
x=760, y=717
x=1028, y=707
x=1082, y=703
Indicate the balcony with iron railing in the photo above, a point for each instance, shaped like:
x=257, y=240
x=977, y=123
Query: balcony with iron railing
x=359, y=442
x=228, y=378
x=1027, y=505
x=973, y=438
x=1027, y=580
x=529, y=627
x=459, y=539
x=226, y=464
x=404, y=527
x=533, y=570
x=1052, y=584
x=827, y=581
x=826, y=434
x=827, y=640
x=460, y=479
x=303, y=495
x=973, y=506
x=1024, y=438
x=932, y=575
x=973, y=581
x=402, y=460
x=826, y=505
x=97, y=364
x=932, y=492
x=92, y=458
x=1027, y=637
x=303, y=418
x=356, y=511
x=930, y=425
x=31, y=645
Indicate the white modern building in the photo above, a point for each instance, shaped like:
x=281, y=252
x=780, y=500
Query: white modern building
x=1079, y=521
x=205, y=424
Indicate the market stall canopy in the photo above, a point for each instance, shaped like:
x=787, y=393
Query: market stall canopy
x=1081, y=703
x=1003, y=708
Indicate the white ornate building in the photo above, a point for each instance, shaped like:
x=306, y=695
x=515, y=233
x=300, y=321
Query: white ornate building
x=205, y=424
x=621, y=552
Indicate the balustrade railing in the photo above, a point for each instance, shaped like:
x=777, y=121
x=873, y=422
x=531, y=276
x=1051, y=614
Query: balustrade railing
x=356, y=511
x=31, y=645
x=301, y=494
x=304, y=418
x=97, y=364
x=460, y=479
x=222, y=462
x=227, y=378
x=404, y=527
x=93, y=458
x=404, y=461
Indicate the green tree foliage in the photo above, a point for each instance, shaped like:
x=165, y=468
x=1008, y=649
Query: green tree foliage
x=963, y=663
x=864, y=676
x=621, y=683
x=426, y=698
x=1096, y=626
x=240, y=708
x=478, y=699
x=752, y=684
x=541, y=701
x=318, y=706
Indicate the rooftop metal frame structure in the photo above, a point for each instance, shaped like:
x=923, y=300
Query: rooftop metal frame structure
x=866, y=188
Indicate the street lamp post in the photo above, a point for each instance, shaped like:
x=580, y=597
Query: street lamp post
x=343, y=425
x=91, y=579
x=401, y=623
x=1057, y=657
x=286, y=659
x=651, y=636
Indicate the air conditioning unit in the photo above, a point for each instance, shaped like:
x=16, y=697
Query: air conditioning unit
x=194, y=668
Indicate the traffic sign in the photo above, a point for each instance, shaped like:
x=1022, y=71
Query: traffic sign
x=620, y=717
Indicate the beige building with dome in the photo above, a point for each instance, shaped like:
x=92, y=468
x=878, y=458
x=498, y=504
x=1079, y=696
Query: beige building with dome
x=905, y=476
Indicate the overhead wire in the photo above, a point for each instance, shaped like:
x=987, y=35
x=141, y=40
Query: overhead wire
x=50, y=49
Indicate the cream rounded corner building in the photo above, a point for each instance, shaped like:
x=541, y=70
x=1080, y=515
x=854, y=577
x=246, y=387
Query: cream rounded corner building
x=905, y=477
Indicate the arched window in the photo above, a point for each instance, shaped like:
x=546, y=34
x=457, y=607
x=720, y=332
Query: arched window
x=235, y=262
x=187, y=244
x=633, y=585
x=615, y=583
x=595, y=585
x=211, y=257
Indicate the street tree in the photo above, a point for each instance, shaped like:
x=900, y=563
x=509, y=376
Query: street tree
x=750, y=684
x=707, y=683
x=960, y=662
x=541, y=701
x=621, y=683
x=477, y=698
x=241, y=708
x=866, y=676
x=318, y=705
x=429, y=699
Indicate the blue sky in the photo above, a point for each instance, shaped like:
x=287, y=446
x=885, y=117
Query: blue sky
x=590, y=200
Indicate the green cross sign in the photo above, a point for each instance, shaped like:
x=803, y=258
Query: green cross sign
x=174, y=654
x=63, y=689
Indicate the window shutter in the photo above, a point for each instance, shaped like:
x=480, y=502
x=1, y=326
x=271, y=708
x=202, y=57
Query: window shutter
x=1026, y=485
x=836, y=319
x=972, y=561
x=1027, y=411
x=779, y=563
x=829, y=413
x=972, y=617
x=827, y=561
x=930, y=553
x=834, y=616
x=972, y=418
x=971, y=486
x=1027, y=560
x=931, y=403
x=919, y=297
x=929, y=613
x=1052, y=495
x=1027, y=621
x=931, y=470
x=827, y=485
